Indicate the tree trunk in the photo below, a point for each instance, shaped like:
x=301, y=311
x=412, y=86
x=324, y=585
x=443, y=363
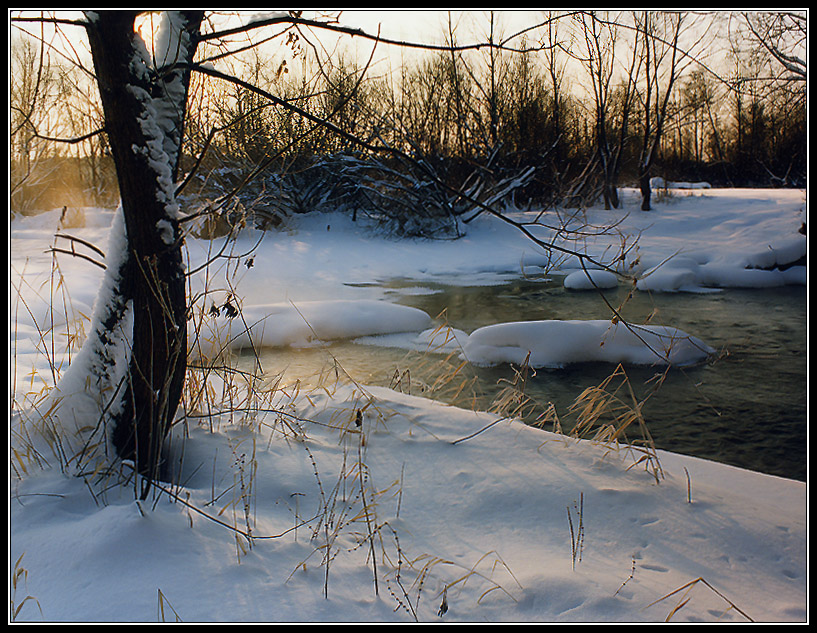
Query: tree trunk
x=646, y=192
x=143, y=112
x=611, y=200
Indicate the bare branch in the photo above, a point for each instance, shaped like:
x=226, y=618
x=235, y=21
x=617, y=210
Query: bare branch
x=295, y=19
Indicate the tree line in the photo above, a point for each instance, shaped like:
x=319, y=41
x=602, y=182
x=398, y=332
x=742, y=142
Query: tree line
x=581, y=105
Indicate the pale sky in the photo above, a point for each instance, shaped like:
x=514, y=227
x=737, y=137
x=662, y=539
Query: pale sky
x=425, y=26
x=428, y=25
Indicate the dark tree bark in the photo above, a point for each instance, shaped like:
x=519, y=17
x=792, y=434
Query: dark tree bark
x=644, y=187
x=143, y=107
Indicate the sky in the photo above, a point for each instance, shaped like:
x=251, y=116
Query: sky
x=430, y=25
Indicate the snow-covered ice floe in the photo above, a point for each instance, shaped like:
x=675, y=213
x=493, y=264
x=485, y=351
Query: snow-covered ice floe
x=555, y=343
x=559, y=343
x=590, y=279
x=305, y=323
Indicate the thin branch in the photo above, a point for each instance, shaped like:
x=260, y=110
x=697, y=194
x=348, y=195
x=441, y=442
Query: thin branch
x=50, y=20
x=356, y=32
x=70, y=141
x=75, y=254
x=81, y=241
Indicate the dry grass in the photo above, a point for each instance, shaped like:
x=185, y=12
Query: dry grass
x=36, y=441
x=409, y=578
x=160, y=609
x=351, y=505
x=439, y=372
x=577, y=532
x=611, y=415
x=18, y=580
x=685, y=596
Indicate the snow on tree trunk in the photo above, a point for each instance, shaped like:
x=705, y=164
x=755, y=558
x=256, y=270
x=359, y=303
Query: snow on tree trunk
x=91, y=388
x=135, y=355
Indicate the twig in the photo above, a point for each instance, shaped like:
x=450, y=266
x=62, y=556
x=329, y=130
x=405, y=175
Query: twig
x=475, y=433
x=75, y=254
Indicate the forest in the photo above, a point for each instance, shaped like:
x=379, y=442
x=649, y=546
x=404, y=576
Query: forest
x=562, y=112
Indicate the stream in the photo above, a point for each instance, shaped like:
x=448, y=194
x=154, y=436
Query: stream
x=746, y=408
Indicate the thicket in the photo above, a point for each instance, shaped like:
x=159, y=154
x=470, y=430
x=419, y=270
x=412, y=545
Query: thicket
x=469, y=127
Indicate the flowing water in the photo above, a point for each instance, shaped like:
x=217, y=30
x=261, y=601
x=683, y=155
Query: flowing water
x=747, y=408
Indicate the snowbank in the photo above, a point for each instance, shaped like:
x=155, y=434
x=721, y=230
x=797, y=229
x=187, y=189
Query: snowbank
x=683, y=275
x=659, y=183
x=559, y=343
x=729, y=239
x=472, y=512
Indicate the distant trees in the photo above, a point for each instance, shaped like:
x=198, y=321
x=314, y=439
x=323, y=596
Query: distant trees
x=36, y=87
x=768, y=97
x=590, y=101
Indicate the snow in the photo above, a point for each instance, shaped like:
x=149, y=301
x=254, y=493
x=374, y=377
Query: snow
x=590, y=279
x=160, y=114
x=660, y=183
x=308, y=323
x=95, y=369
x=468, y=508
x=559, y=343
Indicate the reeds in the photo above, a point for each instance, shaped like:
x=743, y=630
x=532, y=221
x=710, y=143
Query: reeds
x=439, y=371
x=36, y=440
x=577, y=532
x=160, y=609
x=409, y=578
x=611, y=415
x=18, y=580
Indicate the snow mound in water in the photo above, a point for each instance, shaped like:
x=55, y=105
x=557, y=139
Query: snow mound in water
x=559, y=343
x=305, y=323
x=590, y=280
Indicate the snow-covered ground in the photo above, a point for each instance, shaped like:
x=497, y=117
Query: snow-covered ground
x=364, y=504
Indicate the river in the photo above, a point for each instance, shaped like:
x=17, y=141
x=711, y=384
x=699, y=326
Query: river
x=747, y=407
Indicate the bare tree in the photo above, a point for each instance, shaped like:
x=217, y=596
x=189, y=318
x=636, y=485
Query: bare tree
x=783, y=36
x=144, y=96
x=555, y=69
x=600, y=55
x=660, y=34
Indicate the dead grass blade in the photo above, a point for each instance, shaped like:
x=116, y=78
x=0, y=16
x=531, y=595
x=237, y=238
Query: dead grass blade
x=686, y=597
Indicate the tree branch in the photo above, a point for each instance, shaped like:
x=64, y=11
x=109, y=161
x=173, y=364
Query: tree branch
x=356, y=32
